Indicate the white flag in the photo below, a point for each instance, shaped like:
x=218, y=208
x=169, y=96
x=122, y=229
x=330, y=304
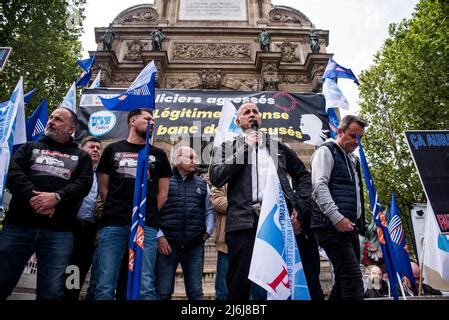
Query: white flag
x=96, y=82
x=227, y=128
x=435, y=246
x=333, y=95
x=276, y=264
x=20, y=133
x=70, y=99
x=8, y=114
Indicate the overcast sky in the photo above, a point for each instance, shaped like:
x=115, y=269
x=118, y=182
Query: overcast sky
x=357, y=28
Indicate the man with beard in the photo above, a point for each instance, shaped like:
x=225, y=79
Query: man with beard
x=117, y=174
x=48, y=180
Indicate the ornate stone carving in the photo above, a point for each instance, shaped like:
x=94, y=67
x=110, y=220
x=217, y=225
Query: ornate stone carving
x=182, y=83
x=210, y=79
x=124, y=77
x=228, y=51
x=139, y=16
x=288, y=15
x=316, y=75
x=317, y=70
x=135, y=48
x=288, y=50
x=294, y=79
x=270, y=77
x=270, y=69
x=244, y=84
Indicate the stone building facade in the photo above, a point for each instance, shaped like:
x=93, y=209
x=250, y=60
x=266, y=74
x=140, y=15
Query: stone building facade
x=214, y=45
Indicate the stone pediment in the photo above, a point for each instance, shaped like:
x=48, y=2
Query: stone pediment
x=140, y=14
x=287, y=15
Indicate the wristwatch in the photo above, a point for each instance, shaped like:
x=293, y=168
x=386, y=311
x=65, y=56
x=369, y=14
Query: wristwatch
x=58, y=197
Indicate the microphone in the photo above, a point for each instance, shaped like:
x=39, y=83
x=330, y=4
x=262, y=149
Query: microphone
x=254, y=125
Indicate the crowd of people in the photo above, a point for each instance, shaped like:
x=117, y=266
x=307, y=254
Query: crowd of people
x=71, y=205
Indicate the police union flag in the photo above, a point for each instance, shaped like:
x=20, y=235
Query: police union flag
x=276, y=264
x=140, y=94
x=136, y=239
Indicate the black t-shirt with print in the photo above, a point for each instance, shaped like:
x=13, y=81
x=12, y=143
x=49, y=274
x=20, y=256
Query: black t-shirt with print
x=119, y=161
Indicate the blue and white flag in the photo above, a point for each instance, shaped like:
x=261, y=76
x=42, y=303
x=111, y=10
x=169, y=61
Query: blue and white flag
x=399, y=240
x=334, y=70
x=35, y=125
x=136, y=240
x=96, y=82
x=333, y=96
x=19, y=133
x=141, y=93
x=227, y=128
x=276, y=264
x=383, y=234
x=70, y=99
x=8, y=116
x=86, y=64
x=26, y=98
x=334, y=122
x=436, y=245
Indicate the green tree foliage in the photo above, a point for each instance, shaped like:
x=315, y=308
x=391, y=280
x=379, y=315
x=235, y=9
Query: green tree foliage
x=407, y=88
x=44, y=37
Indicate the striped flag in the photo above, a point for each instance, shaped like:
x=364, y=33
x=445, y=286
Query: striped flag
x=140, y=94
x=136, y=240
x=383, y=234
x=36, y=123
x=400, y=243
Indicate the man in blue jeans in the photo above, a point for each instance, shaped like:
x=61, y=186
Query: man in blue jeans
x=187, y=221
x=117, y=173
x=48, y=180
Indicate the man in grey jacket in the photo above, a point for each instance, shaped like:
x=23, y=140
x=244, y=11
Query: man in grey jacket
x=337, y=210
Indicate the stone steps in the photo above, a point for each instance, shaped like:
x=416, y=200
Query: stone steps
x=27, y=283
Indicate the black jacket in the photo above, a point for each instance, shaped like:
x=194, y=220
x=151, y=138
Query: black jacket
x=235, y=170
x=48, y=166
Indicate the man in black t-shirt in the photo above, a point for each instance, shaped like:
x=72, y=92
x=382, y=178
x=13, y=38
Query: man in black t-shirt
x=117, y=173
x=48, y=180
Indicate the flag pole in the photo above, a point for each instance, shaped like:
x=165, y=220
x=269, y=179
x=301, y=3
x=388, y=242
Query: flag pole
x=401, y=285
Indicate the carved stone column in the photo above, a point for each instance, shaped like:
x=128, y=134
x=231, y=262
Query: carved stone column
x=161, y=60
x=267, y=65
x=315, y=65
x=106, y=61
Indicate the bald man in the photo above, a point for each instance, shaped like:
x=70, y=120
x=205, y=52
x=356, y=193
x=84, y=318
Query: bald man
x=48, y=180
x=243, y=164
x=186, y=222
